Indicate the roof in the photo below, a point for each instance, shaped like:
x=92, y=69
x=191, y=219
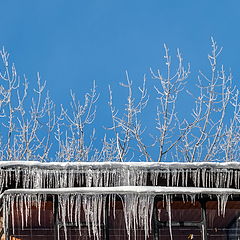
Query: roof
x=31, y=174
x=139, y=165
x=154, y=190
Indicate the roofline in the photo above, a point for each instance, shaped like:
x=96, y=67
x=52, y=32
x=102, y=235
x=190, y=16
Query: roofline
x=113, y=165
x=125, y=190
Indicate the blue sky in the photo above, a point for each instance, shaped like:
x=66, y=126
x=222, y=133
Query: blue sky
x=71, y=43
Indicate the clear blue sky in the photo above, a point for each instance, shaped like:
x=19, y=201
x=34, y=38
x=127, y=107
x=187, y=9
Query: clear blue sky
x=71, y=43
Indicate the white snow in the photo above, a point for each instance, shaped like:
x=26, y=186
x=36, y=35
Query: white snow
x=99, y=165
x=98, y=182
x=103, y=174
x=137, y=204
x=126, y=190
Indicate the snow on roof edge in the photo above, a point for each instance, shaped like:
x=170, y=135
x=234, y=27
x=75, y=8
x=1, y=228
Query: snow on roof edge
x=98, y=165
x=126, y=190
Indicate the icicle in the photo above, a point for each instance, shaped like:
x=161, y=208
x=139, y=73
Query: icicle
x=217, y=179
x=1, y=180
x=89, y=178
x=106, y=178
x=39, y=205
x=183, y=198
x=71, y=175
x=17, y=205
x=21, y=211
x=203, y=177
x=37, y=183
x=212, y=179
x=193, y=198
x=222, y=202
x=229, y=178
x=78, y=204
x=138, y=212
x=198, y=178
x=174, y=177
x=186, y=177
x=5, y=214
x=154, y=177
x=12, y=198
x=63, y=206
x=99, y=211
x=17, y=177
x=6, y=178
x=125, y=177
x=26, y=208
x=178, y=178
x=194, y=177
x=236, y=177
x=127, y=213
x=85, y=204
x=114, y=205
x=168, y=200
x=183, y=177
x=168, y=177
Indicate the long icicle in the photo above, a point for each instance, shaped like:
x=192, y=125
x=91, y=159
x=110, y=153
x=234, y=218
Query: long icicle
x=168, y=200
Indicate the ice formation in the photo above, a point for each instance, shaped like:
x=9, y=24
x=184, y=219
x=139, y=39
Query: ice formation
x=89, y=190
x=92, y=204
x=61, y=175
x=137, y=210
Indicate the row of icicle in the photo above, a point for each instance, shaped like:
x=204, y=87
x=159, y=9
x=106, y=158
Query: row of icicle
x=31, y=178
x=73, y=208
x=137, y=208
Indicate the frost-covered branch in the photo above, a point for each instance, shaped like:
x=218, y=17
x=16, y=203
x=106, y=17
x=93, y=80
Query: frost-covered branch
x=127, y=126
x=152, y=125
x=73, y=145
x=168, y=89
x=230, y=142
x=202, y=142
x=22, y=117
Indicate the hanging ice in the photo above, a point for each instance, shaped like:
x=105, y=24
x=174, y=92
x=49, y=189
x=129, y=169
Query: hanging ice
x=205, y=178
